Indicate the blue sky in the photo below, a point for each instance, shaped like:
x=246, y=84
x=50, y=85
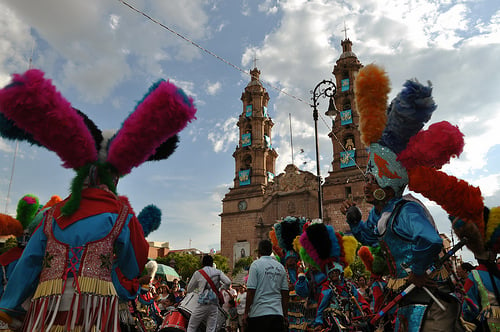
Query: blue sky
x=102, y=56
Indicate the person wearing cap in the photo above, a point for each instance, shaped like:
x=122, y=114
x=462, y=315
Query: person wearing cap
x=401, y=225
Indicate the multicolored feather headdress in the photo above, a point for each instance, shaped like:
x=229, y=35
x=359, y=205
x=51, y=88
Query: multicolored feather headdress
x=326, y=249
x=284, y=233
x=373, y=260
x=26, y=210
x=31, y=109
x=421, y=153
x=394, y=137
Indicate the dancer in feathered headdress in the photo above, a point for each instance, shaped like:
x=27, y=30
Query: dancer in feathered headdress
x=332, y=252
x=83, y=238
x=376, y=264
x=402, y=226
x=27, y=208
x=282, y=235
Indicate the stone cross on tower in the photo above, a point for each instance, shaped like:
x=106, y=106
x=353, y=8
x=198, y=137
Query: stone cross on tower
x=255, y=60
x=345, y=30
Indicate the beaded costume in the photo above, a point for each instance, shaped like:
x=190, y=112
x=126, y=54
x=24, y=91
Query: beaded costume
x=90, y=248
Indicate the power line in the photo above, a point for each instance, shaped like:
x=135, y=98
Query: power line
x=233, y=66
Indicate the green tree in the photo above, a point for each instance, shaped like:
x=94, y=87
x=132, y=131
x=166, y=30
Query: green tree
x=221, y=262
x=242, y=264
x=10, y=243
x=185, y=263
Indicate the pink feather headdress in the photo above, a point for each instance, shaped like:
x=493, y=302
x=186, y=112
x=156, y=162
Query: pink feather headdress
x=32, y=109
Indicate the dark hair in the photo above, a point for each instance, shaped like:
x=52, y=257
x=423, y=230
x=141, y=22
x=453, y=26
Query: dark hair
x=207, y=261
x=265, y=247
x=467, y=267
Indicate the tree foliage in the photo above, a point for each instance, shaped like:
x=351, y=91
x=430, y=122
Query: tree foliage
x=185, y=263
x=10, y=243
x=221, y=262
x=242, y=264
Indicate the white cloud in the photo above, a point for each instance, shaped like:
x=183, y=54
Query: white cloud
x=268, y=6
x=4, y=146
x=213, y=88
x=224, y=135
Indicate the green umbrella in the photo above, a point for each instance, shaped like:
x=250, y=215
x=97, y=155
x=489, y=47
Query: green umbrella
x=167, y=272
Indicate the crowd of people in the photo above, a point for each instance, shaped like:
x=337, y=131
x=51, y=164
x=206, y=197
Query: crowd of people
x=82, y=268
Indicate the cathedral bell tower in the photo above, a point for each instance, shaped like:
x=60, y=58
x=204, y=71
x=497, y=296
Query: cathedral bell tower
x=255, y=157
x=255, y=160
x=346, y=177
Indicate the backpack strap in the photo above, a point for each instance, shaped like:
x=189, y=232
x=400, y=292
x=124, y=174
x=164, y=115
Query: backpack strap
x=211, y=283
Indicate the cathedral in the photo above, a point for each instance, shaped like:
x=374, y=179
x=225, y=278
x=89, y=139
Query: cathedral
x=259, y=197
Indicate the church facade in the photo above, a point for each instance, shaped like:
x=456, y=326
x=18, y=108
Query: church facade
x=259, y=197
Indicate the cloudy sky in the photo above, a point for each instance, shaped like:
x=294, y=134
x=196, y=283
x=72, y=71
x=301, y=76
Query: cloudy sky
x=103, y=56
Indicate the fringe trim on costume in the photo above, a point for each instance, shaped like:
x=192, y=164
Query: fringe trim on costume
x=395, y=284
x=300, y=327
x=492, y=312
x=87, y=312
x=48, y=288
x=440, y=275
x=61, y=328
x=86, y=284
x=96, y=286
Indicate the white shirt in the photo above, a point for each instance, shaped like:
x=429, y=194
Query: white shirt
x=199, y=283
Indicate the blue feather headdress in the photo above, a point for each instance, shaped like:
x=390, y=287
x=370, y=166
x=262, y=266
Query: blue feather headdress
x=404, y=118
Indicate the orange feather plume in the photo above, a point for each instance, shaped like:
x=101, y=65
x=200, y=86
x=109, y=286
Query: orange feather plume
x=371, y=90
x=10, y=226
x=53, y=201
x=366, y=257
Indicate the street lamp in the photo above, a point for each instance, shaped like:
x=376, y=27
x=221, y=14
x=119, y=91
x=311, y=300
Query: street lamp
x=325, y=88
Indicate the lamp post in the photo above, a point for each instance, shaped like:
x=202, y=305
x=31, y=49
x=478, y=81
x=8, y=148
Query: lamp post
x=325, y=88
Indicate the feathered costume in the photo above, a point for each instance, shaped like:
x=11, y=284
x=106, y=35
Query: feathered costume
x=150, y=220
x=68, y=264
x=339, y=301
x=375, y=263
x=282, y=236
x=476, y=224
x=27, y=208
x=399, y=151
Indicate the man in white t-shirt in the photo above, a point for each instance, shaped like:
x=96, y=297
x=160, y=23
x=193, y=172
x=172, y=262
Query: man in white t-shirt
x=267, y=293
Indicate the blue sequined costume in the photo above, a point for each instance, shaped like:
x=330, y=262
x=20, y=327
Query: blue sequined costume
x=409, y=240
